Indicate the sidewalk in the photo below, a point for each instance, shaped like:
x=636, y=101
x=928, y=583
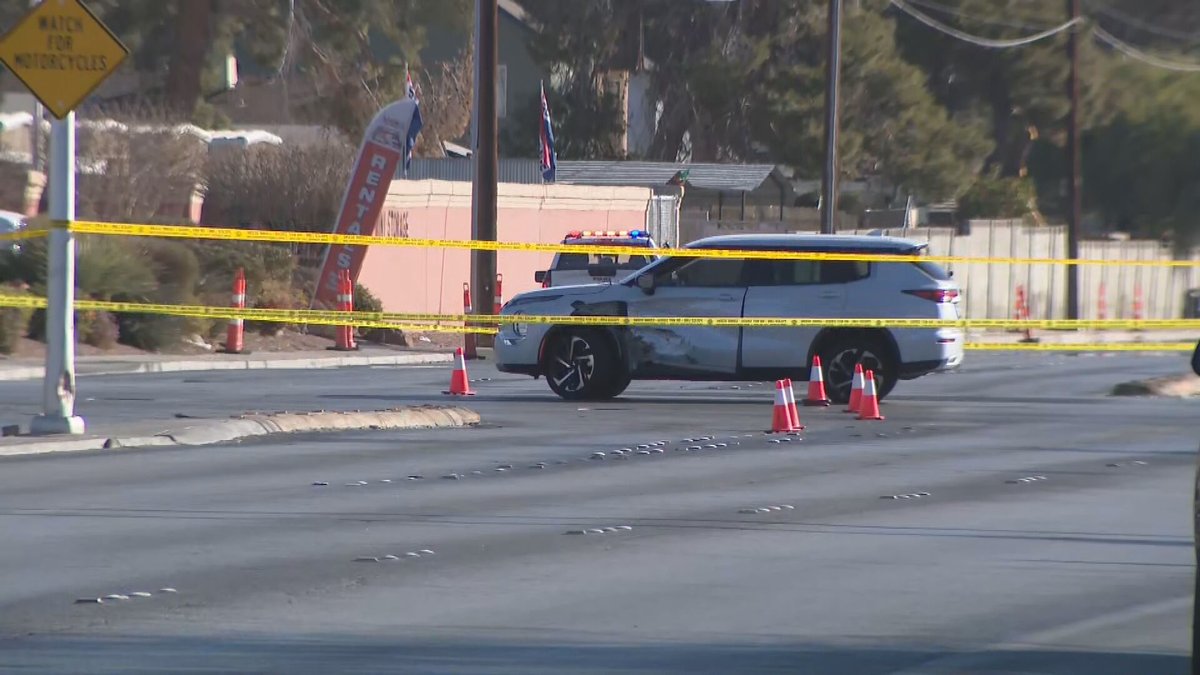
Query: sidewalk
x=1084, y=336
x=32, y=369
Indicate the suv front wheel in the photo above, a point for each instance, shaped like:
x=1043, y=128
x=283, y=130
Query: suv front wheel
x=580, y=365
x=838, y=357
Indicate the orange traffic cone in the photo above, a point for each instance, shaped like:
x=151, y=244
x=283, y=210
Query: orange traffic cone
x=856, y=387
x=793, y=411
x=781, y=417
x=459, y=384
x=869, y=407
x=816, y=385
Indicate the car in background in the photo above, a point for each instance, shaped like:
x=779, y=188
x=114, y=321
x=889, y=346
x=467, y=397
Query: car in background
x=1196, y=359
x=11, y=221
x=586, y=362
x=571, y=269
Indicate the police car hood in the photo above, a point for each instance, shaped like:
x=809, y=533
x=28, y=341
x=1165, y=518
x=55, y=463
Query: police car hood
x=546, y=294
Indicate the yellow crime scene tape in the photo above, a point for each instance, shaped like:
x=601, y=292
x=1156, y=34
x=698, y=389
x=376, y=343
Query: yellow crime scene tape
x=391, y=319
x=292, y=237
x=28, y=233
x=417, y=322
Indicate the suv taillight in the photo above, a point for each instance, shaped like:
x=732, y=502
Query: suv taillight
x=936, y=294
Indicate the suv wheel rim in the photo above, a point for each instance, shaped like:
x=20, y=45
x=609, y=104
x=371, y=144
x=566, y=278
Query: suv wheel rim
x=840, y=374
x=572, y=364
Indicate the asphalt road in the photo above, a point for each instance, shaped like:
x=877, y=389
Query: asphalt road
x=1084, y=567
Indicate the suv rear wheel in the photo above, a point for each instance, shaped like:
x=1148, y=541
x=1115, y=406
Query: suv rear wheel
x=581, y=365
x=838, y=357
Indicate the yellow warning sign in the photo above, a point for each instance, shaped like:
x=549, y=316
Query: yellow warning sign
x=61, y=52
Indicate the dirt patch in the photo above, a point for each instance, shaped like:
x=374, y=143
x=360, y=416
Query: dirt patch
x=1178, y=386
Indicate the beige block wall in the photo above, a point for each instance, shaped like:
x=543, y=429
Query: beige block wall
x=989, y=290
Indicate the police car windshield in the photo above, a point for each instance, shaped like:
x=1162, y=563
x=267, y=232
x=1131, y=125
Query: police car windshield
x=580, y=261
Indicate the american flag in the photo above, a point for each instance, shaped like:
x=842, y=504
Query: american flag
x=414, y=127
x=546, y=142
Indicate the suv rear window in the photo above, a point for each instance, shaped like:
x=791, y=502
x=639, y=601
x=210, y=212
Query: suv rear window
x=932, y=270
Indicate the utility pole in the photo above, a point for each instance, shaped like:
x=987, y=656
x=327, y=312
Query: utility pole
x=833, y=76
x=483, y=190
x=1074, y=163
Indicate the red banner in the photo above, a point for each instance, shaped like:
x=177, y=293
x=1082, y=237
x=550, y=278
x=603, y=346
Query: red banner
x=378, y=159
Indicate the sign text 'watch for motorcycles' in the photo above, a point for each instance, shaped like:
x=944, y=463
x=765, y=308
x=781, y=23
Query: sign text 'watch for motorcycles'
x=61, y=52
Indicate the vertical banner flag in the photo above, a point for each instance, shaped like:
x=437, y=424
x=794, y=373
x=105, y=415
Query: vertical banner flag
x=384, y=144
x=546, y=142
x=410, y=141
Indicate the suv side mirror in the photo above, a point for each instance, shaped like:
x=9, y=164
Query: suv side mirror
x=646, y=283
x=539, y=276
x=602, y=270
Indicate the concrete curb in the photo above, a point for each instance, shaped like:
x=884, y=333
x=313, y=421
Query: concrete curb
x=1178, y=386
x=184, y=365
x=246, y=426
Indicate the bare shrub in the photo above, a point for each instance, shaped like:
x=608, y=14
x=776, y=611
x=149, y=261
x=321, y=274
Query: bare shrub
x=137, y=164
x=286, y=187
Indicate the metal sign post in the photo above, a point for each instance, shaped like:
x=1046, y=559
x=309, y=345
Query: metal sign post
x=61, y=51
x=58, y=389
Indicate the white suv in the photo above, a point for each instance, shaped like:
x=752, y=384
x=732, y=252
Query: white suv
x=582, y=362
x=569, y=269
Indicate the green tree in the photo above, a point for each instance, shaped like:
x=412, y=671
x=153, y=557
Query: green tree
x=1020, y=91
x=354, y=51
x=745, y=82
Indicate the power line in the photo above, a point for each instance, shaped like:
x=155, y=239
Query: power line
x=975, y=39
x=1145, y=57
x=938, y=7
x=1140, y=24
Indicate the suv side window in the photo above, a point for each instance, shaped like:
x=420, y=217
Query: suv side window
x=807, y=272
x=702, y=273
x=844, y=271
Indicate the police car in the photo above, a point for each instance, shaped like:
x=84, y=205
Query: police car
x=598, y=362
x=571, y=269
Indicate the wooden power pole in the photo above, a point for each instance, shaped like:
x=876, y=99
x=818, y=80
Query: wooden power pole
x=1074, y=163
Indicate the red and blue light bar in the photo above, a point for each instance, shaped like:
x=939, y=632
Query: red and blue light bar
x=608, y=234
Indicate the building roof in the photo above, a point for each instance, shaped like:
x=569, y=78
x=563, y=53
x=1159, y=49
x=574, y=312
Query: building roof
x=810, y=242
x=723, y=177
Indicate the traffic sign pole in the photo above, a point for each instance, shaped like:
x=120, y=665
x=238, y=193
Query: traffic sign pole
x=58, y=389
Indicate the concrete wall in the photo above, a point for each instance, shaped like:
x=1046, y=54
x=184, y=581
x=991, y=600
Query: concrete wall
x=430, y=279
x=990, y=289
x=20, y=188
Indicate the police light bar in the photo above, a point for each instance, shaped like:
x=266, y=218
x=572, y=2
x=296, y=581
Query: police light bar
x=608, y=234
